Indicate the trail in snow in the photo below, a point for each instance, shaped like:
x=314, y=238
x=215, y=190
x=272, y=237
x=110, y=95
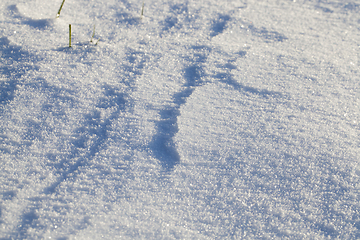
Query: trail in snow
x=202, y=120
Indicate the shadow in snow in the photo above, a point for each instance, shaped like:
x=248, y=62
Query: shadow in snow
x=228, y=79
x=94, y=132
x=81, y=48
x=178, y=14
x=241, y=53
x=7, y=90
x=199, y=55
x=54, y=107
x=33, y=130
x=219, y=25
x=324, y=9
x=9, y=195
x=169, y=23
x=126, y=4
x=34, y=23
x=15, y=63
x=351, y=6
x=179, y=8
x=162, y=144
x=38, y=23
x=268, y=36
x=135, y=62
x=57, y=98
x=193, y=75
x=12, y=54
x=327, y=229
x=128, y=19
x=336, y=6
x=91, y=136
x=29, y=220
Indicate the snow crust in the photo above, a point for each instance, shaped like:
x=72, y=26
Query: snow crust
x=235, y=119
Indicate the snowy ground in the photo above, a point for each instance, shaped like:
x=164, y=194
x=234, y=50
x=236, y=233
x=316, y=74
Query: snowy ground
x=231, y=119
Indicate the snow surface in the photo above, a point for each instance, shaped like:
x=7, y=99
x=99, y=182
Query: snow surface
x=230, y=119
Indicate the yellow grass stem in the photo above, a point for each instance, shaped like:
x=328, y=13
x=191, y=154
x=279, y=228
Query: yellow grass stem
x=69, y=35
x=62, y=4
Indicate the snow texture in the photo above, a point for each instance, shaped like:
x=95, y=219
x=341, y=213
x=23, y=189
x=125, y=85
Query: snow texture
x=234, y=119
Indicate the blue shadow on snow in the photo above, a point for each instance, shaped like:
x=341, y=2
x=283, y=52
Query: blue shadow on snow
x=40, y=24
x=162, y=144
x=9, y=55
x=219, y=25
x=91, y=136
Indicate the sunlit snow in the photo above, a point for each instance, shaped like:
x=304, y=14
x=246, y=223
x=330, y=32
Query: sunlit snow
x=235, y=119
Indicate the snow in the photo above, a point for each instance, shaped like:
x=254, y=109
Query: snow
x=201, y=120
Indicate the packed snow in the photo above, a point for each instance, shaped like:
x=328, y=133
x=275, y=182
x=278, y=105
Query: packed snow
x=230, y=119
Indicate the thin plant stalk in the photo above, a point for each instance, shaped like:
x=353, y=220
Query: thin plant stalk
x=92, y=36
x=142, y=11
x=69, y=35
x=62, y=4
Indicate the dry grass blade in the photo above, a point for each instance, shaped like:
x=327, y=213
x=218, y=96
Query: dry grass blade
x=62, y=4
